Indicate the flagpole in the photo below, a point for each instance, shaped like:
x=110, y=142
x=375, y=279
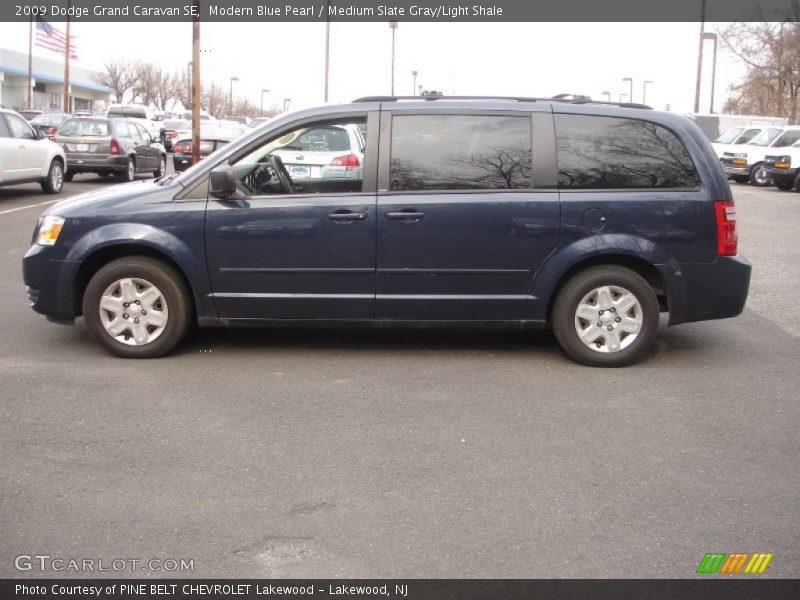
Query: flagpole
x=66, y=62
x=30, y=65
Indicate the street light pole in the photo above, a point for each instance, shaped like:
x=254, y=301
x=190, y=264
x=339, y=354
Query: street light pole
x=286, y=102
x=630, y=94
x=414, y=87
x=644, y=91
x=261, y=112
x=712, y=36
x=230, y=95
x=700, y=57
x=608, y=95
x=393, y=27
x=621, y=96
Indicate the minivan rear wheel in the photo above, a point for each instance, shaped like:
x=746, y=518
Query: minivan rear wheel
x=606, y=316
x=137, y=307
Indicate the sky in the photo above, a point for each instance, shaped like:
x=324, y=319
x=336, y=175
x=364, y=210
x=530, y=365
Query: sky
x=522, y=59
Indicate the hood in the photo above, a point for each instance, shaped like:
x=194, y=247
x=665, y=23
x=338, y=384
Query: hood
x=129, y=195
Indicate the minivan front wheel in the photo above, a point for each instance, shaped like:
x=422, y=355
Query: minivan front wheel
x=606, y=316
x=136, y=307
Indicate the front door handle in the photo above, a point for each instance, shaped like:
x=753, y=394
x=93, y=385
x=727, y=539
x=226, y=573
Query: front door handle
x=404, y=215
x=347, y=216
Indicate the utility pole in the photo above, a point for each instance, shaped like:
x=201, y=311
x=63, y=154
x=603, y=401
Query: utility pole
x=196, y=83
x=66, y=61
x=700, y=56
x=327, y=45
x=30, y=65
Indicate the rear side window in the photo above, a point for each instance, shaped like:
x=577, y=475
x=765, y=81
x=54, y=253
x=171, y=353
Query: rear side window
x=460, y=152
x=612, y=153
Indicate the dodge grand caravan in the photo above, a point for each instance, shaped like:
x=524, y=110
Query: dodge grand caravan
x=585, y=217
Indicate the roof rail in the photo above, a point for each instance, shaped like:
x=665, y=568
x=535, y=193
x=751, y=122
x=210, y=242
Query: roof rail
x=577, y=100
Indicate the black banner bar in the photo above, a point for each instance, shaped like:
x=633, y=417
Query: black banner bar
x=405, y=589
x=402, y=10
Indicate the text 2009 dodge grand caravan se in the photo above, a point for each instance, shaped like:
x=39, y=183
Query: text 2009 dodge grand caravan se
x=588, y=218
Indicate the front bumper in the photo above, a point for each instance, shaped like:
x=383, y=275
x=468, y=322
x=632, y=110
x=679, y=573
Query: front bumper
x=50, y=283
x=736, y=169
x=782, y=174
x=80, y=162
x=707, y=291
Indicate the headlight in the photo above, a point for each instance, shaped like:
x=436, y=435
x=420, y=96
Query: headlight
x=48, y=232
x=783, y=162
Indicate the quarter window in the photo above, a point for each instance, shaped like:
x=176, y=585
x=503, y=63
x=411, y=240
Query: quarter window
x=460, y=152
x=612, y=153
x=19, y=128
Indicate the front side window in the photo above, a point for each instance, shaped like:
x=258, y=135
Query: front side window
x=787, y=139
x=322, y=158
x=460, y=152
x=4, y=132
x=612, y=153
x=19, y=128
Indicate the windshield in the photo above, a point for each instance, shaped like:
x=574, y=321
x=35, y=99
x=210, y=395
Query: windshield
x=49, y=119
x=172, y=124
x=765, y=137
x=729, y=136
x=85, y=127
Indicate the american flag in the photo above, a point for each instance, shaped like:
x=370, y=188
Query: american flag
x=54, y=39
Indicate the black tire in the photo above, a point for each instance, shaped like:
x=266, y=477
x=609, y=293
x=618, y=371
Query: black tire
x=162, y=167
x=129, y=174
x=155, y=272
x=784, y=185
x=758, y=176
x=741, y=178
x=55, y=178
x=573, y=292
x=797, y=183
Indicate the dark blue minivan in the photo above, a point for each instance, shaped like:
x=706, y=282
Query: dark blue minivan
x=585, y=217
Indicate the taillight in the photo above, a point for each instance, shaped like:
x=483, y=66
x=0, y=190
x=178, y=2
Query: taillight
x=351, y=160
x=186, y=148
x=178, y=148
x=725, y=212
x=114, y=146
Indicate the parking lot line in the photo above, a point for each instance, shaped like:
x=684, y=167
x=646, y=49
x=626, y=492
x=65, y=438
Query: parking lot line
x=11, y=210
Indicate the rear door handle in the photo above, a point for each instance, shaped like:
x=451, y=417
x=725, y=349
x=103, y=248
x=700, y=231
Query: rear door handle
x=347, y=216
x=405, y=215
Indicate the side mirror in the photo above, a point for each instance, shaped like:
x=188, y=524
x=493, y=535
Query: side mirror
x=222, y=181
x=40, y=134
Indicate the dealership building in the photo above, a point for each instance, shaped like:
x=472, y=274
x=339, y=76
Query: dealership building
x=48, y=84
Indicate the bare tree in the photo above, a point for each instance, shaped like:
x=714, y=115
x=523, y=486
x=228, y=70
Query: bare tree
x=120, y=76
x=154, y=86
x=771, y=53
x=214, y=100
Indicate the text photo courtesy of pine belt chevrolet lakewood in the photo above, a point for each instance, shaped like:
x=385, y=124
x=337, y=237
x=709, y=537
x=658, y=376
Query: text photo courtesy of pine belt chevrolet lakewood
x=588, y=218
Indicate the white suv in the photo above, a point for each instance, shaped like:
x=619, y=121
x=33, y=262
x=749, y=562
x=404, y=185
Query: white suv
x=25, y=157
x=152, y=121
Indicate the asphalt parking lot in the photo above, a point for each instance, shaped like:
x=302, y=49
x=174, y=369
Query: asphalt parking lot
x=264, y=453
